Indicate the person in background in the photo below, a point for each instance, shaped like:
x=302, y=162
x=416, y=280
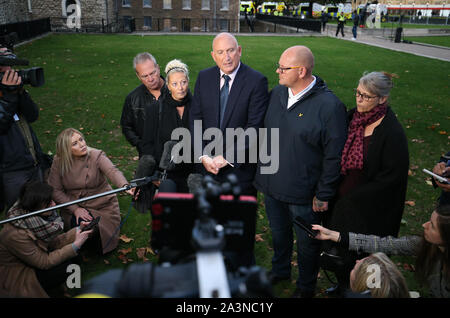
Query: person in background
x=442, y=168
x=173, y=113
x=79, y=171
x=134, y=112
x=431, y=249
x=34, y=251
x=377, y=276
x=21, y=157
x=312, y=127
x=374, y=168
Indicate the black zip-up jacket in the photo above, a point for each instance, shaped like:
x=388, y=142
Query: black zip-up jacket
x=134, y=114
x=312, y=134
x=14, y=153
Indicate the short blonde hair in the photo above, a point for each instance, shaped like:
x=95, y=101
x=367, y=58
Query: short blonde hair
x=64, y=148
x=392, y=284
x=176, y=66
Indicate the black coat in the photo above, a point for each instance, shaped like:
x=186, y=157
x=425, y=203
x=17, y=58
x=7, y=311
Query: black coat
x=134, y=114
x=161, y=121
x=312, y=134
x=14, y=152
x=376, y=205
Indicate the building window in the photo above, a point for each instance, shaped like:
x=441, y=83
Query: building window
x=206, y=5
x=147, y=3
x=147, y=23
x=223, y=25
x=186, y=4
x=167, y=4
x=167, y=24
x=126, y=3
x=225, y=4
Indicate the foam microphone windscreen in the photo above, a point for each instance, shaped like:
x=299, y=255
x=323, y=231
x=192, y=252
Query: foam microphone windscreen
x=165, y=162
x=168, y=186
x=146, y=166
x=194, y=182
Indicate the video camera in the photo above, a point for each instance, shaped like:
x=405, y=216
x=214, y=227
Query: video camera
x=215, y=218
x=32, y=76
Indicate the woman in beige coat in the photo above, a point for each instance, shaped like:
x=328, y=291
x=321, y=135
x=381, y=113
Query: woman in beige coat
x=34, y=252
x=79, y=171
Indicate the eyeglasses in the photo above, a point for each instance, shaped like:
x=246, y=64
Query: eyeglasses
x=284, y=69
x=363, y=96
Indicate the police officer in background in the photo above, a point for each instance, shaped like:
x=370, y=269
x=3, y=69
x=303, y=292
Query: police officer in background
x=20, y=152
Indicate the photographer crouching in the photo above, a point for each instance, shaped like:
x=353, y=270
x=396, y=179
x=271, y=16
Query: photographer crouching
x=21, y=157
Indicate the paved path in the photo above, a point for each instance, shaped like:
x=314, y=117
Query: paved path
x=430, y=51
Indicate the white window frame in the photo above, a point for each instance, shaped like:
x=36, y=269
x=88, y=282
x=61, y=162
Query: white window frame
x=185, y=7
x=146, y=5
x=167, y=4
x=126, y=5
x=208, y=7
x=224, y=8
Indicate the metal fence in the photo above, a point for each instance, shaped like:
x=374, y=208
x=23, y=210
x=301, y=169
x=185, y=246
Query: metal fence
x=296, y=22
x=27, y=29
x=146, y=24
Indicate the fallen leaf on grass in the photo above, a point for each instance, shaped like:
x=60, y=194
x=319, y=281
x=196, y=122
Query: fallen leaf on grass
x=258, y=238
x=125, y=239
x=410, y=203
x=125, y=251
x=140, y=252
x=429, y=182
x=419, y=141
x=106, y=262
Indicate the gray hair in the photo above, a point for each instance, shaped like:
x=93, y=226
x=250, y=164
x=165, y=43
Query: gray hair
x=142, y=57
x=176, y=66
x=378, y=83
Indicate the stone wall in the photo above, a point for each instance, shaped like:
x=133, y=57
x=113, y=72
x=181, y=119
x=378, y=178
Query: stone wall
x=12, y=11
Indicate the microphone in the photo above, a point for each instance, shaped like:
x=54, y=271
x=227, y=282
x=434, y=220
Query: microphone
x=194, y=182
x=166, y=162
x=146, y=166
x=168, y=186
x=145, y=170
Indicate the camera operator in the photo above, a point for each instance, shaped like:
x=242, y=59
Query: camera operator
x=20, y=151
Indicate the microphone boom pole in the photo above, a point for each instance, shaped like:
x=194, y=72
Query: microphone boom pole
x=133, y=184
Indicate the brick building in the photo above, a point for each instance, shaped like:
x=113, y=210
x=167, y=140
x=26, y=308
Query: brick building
x=127, y=15
x=182, y=15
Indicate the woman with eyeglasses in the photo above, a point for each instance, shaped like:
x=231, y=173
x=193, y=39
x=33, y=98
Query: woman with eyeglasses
x=374, y=169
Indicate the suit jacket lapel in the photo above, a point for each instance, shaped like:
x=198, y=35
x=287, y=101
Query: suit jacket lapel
x=235, y=91
x=215, y=95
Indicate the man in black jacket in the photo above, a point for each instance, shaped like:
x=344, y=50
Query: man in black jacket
x=134, y=109
x=20, y=150
x=312, y=127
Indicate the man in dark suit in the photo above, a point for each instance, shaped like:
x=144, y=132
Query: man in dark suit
x=229, y=95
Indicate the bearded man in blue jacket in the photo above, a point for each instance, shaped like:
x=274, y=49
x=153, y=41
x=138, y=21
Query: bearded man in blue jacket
x=312, y=127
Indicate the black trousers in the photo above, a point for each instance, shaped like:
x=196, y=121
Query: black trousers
x=340, y=27
x=13, y=181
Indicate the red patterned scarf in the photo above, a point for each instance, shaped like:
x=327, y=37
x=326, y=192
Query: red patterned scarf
x=352, y=155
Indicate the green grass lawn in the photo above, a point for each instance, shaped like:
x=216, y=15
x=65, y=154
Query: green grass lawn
x=435, y=40
x=88, y=77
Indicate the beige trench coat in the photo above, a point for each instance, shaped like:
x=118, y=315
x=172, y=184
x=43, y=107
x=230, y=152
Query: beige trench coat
x=21, y=251
x=88, y=177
